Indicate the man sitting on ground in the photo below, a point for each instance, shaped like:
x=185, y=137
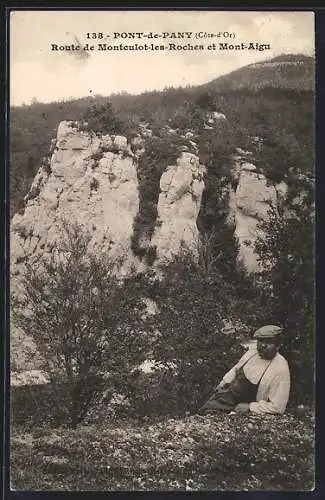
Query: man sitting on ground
x=259, y=382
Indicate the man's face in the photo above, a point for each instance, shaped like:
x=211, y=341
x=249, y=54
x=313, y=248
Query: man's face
x=267, y=348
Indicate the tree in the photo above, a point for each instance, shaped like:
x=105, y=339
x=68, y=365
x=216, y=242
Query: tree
x=101, y=119
x=286, y=253
x=280, y=155
x=206, y=101
x=193, y=349
x=87, y=324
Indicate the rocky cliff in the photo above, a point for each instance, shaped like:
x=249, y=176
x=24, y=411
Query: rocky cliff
x=89, y=180
x=93, y=180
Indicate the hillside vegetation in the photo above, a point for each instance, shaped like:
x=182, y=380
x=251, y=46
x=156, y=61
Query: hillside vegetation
x=280, y=109
x=294, y=72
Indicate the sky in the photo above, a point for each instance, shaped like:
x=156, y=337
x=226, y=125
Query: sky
x=37, y=72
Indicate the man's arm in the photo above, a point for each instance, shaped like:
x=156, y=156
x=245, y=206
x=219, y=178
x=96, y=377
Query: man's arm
x=278, y=396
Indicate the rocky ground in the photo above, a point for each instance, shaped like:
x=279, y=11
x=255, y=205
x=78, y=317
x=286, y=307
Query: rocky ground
x=219, y=453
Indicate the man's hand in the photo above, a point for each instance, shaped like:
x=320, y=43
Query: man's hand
x=242, y=408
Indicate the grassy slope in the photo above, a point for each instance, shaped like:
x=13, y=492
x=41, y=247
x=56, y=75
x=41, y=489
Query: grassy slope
x=222, y=452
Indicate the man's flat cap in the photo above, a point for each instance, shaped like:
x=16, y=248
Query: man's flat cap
x=268, y=332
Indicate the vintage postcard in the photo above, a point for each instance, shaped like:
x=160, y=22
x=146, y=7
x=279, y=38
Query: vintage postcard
x=162, y=210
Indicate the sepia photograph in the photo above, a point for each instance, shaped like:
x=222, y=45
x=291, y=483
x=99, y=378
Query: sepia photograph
x=162, y=260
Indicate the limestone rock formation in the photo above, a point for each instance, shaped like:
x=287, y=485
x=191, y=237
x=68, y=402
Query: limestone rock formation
x=181, y=187
x=249, y=204
x=90, y=180
x=93, y=180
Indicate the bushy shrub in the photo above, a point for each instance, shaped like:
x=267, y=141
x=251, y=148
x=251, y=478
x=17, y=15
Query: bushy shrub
x=87, y=324
x=188, y=116
x=192, y=350
x=101, y=119
x=280, y=155
x=206, y=101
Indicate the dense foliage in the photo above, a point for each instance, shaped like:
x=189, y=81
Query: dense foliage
x=102, y=120
x=203, y=312
x=287, y=283
x=281, y=110
x=216, y=149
